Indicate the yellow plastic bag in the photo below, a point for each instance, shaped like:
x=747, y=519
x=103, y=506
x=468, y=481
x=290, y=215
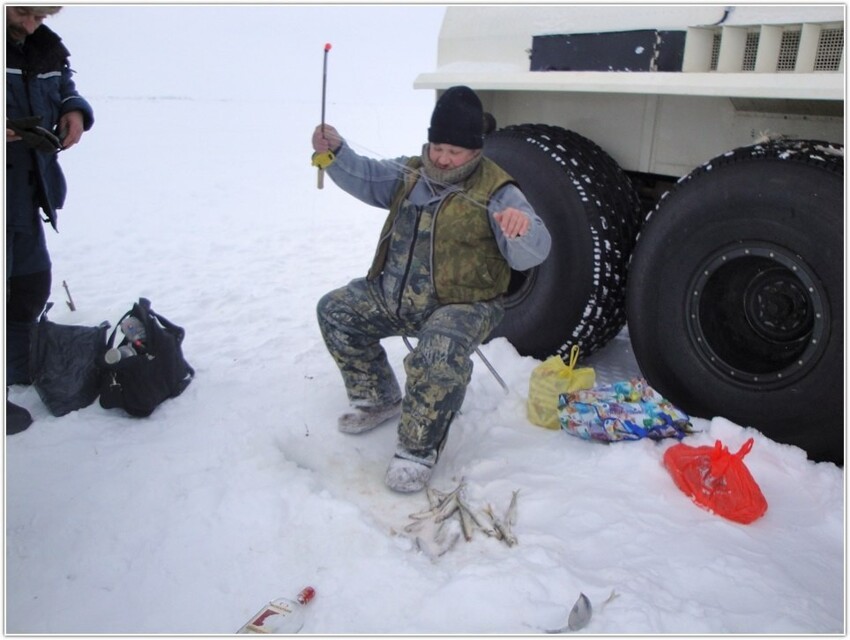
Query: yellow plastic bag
x=550, y=379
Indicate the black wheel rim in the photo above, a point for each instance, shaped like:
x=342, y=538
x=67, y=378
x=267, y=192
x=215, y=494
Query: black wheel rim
x=521, y=284
x=757, y=316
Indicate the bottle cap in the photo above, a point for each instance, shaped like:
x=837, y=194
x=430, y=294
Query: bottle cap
x=307, y=594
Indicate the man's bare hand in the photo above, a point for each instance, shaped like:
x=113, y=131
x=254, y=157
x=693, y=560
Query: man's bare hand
x=71, y=128
x=326, y=138
x=513, y=222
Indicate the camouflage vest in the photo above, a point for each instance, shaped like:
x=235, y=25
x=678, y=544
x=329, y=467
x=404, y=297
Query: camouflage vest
x=466, y=264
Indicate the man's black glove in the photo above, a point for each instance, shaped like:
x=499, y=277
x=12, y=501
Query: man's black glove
x=34, y=135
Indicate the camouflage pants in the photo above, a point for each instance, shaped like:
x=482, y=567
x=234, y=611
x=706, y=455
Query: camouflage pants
x=353, y=320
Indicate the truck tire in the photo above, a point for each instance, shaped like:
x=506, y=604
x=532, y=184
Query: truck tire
x=577, y=295
x=735, y=299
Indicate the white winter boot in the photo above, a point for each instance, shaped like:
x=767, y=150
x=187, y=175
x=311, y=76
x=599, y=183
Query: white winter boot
x=364, y=419
x=408, y=472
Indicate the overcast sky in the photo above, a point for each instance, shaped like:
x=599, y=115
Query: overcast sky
x=266, y=51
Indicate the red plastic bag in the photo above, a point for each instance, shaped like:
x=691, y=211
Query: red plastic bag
x=717, y=480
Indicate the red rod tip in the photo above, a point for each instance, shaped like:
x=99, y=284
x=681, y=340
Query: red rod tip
x=328, y=46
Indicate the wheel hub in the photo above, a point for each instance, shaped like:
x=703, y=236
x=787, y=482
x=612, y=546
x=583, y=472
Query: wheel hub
x=756, y=315
x=777, y=306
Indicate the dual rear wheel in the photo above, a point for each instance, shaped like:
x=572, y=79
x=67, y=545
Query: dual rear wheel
x=735, y=280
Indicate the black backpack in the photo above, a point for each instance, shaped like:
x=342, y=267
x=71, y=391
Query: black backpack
x=154, y=371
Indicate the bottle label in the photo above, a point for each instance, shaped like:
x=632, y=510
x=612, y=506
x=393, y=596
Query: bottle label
x=269, y=620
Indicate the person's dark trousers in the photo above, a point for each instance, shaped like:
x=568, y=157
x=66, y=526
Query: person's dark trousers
x=26, y=296
x=17, y=418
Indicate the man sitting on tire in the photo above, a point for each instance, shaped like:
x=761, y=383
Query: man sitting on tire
x=457, y=226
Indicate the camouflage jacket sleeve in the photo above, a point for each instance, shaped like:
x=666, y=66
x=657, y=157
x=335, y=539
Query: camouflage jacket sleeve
x=525, y=251
x=371, y=181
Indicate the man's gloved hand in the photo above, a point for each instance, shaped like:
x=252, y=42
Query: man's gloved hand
x=34, y=135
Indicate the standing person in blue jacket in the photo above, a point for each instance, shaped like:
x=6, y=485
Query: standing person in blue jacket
x=457, y=226
x=44, y=113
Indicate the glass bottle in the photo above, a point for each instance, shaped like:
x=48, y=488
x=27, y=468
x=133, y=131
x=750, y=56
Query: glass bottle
x=281, y=615
x=133, y=329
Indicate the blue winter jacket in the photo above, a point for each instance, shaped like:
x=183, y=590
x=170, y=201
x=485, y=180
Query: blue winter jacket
x=38, y=82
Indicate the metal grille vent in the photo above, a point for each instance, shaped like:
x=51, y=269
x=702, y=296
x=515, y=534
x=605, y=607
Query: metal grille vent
x=715, y=51
x=788, y=48
x=750, y=50
x=830, y=49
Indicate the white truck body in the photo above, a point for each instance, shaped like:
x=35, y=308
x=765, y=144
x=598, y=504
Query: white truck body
x=663, y=123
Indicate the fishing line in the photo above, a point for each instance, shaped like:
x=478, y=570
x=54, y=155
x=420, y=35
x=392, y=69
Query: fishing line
x=324, y=159
x=448, y=186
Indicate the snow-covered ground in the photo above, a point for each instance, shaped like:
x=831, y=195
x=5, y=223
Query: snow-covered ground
x=195, y=190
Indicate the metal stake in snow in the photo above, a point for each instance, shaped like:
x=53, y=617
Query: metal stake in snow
x=70, y=301
x=324, y=159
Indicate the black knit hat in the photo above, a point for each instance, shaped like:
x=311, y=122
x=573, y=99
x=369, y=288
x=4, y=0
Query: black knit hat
x=458, y=119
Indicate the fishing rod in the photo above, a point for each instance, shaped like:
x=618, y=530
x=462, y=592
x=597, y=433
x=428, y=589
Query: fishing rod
x=324, y=159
